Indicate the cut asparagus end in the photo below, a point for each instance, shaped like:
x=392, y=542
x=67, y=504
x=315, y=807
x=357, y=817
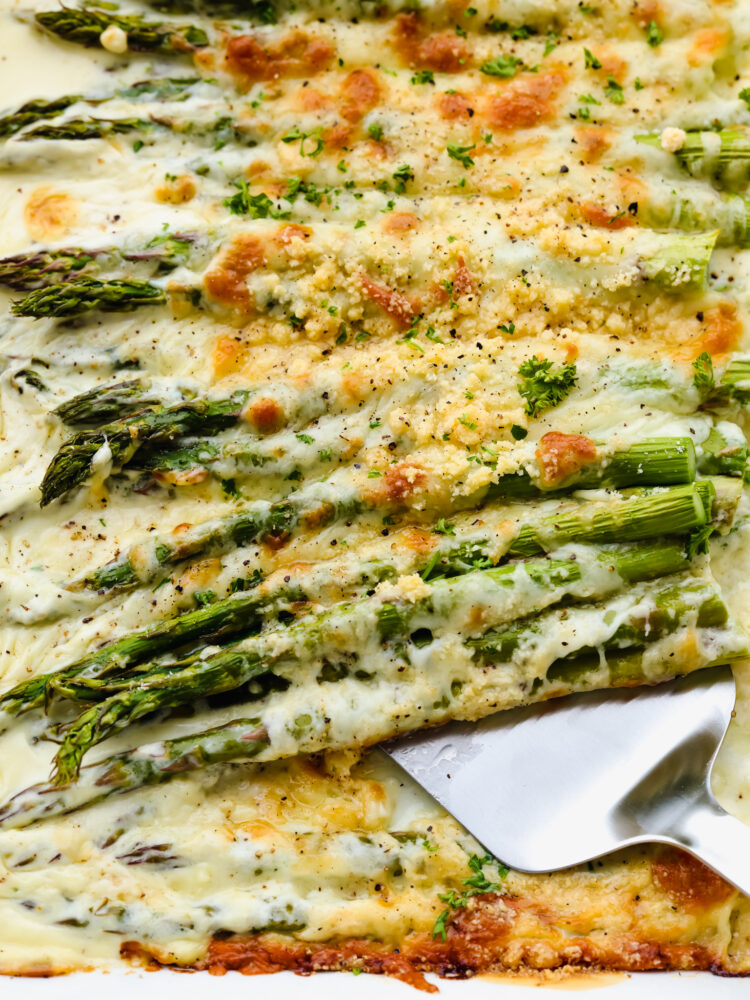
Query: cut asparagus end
x=74, y=298
x=682, y=265
x=724, y=452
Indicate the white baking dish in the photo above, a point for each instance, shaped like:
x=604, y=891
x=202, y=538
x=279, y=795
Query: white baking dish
x=344, y=986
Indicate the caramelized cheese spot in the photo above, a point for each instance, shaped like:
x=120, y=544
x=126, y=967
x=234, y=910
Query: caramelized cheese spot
x=526, y=101
x=264, y=414
x=597, y=215
x=399, y=223
x=360, y=93
x=226, y=281
x=397, y=305
x=443, y=51
x=49, y=214
x=296, y=54
x=562, y=455
x=454, y=106
x=178, y=191
x=594, y=141
x=688, y=882
x=402, y=481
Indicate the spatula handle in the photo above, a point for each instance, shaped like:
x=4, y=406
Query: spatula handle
x=719, y=839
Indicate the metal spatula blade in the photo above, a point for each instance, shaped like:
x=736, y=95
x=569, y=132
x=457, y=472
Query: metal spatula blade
x=566, y=781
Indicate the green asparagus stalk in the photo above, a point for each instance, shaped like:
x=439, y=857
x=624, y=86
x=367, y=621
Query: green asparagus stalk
x=28, y=271
x=723, y=156
x=234, y=617
x=733, y=385
x=654, y=462
x=242, y=739
x=34, y=111
x=263, y=11
x=106, y=403
x=500, y=594
x=85, y=27
x=724, y=452
x=646, y=513
x=682, y=264
x=673, y=606
x=121, y=439
x=656, y=513
x=75, y=298
x=89, y=128
x=727, y=213
x=168, y=688
x=25, y=272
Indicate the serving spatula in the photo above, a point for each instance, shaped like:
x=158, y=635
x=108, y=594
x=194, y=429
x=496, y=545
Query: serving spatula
x=571, y=779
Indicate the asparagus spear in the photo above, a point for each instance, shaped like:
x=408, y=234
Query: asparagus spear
x=105, y=403
x=657, y=513
x=673, y=605
x=723, y=156
x=121, y=439
x=24, y=272
x=88, y=128
x=653, y=462
x=242, y=739
x=245, y=612
x=500, y=594
x=77, y=297
x=727, y=213
x=233, y=617
x=168, y=688
x=263, y=11
x=85, y=27
x=733, y=385
x=165, y=88
x=34, y=111
x=27, y=271
x=724, y=452
x=681, y=265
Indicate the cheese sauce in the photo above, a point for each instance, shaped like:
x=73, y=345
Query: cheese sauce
x=367, y=223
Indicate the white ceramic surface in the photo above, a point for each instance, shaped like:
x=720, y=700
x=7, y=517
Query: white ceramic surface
x=344, y=986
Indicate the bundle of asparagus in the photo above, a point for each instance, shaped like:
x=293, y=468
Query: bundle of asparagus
x=630, y=638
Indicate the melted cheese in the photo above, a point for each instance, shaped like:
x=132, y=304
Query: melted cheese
x=533, y=236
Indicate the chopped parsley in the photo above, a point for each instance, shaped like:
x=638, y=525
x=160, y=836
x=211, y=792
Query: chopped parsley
x=229, y=487
x=518, y=433
x=654, y=35
x=543, y=388
x=590, y=61
x=504, y=66
x=550, y=43
x=424, y=76
x=477, y=884
x=613, y=91
x=310, y=143
x=744, y=95
x=444, y=528
x=461, y=154
x=696, y=542
x=375, y=131
x=257, y=206
x=401, y=178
